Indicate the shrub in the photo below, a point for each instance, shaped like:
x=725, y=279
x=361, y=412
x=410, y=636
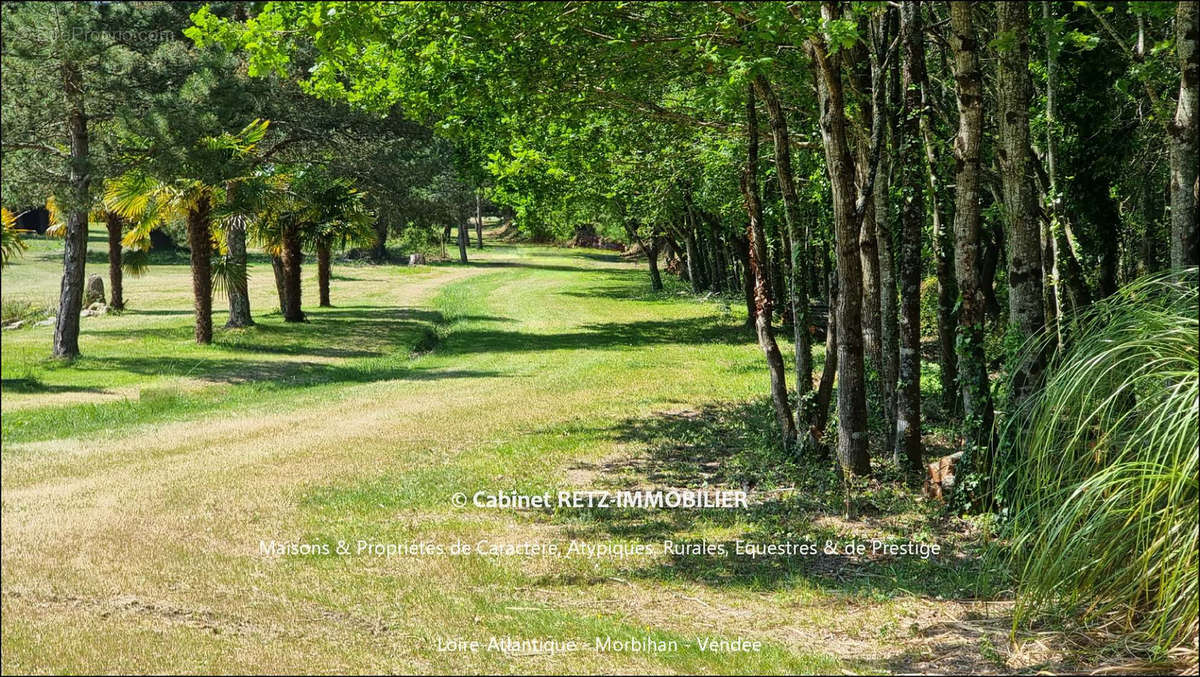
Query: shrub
x=1102, y=492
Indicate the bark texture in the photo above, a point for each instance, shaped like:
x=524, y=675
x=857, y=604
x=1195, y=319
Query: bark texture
x=972, y=366
x=912, y=185
x=943, y=253
x=763, y=310
x=199, y=231
x=114, y=224
x=323, y=266
x=852, y=448
x=70, y=296
x=1026, y=310
x=1184, y=139
x=798, y=239
x=239, y=290
x=292, y=260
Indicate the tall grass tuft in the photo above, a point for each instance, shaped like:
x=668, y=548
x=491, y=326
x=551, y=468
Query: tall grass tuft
x=1102, y=489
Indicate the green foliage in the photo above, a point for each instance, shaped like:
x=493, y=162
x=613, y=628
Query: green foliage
x=415, y=239
x=1102, y=492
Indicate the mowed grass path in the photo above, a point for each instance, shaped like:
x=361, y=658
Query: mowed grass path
x=139, y=482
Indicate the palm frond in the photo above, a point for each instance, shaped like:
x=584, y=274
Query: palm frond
x=57, y=227
x=11, y=243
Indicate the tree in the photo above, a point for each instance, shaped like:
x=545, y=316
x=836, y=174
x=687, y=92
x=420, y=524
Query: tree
x=912, y=218
x=852, y=408
x=338, y=219
x=1184, y=140
x=758, y=258
x=149, y=200
x=800, y=262
x=56, y=73
x=972, y=362
x=1023, y=231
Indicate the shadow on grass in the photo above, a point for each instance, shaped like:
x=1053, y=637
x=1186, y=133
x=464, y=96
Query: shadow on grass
x=349, y=333
x=792, y=500
x=33, y=385
x=597, y=336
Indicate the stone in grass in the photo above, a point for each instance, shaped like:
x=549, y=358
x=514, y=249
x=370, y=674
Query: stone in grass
x=15, y=325
x=95, y=310
x=94, y=291
x=416, y=259
x=46, y=322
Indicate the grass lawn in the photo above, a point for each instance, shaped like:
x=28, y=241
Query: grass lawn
x=140, y=482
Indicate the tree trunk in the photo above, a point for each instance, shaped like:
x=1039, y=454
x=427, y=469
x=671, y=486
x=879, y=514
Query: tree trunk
x=912, y=184
x=293, y=259
x=943, y=253
x=323, y=274
x=693, y=265
x=758, y=259
x=889, y=321
x=972, y=363
x=1185, y=250
x=239, y=291
x=379, y=251
x=715, y=258
x=463, y=238
x=1052, y=290
x=743, y=251
x=280, y=284
x=1025, y=304
x=115, y=225
x=829, y=370
x=70, y=296
x=852, y=408
x=479, y=219
x=652, y=248
x=199, y=231
x=798, y=236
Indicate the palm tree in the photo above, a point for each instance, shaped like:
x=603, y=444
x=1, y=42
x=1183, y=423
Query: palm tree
x=341, y=220
x=315, y=211
x=148, y=201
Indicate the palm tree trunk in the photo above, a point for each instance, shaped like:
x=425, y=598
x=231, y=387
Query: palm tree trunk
x=115, y=225
x=239, y=291
x=293, y=257
x=323, y=274
x=280, y=285
x=70, y=297
x=199, y=230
